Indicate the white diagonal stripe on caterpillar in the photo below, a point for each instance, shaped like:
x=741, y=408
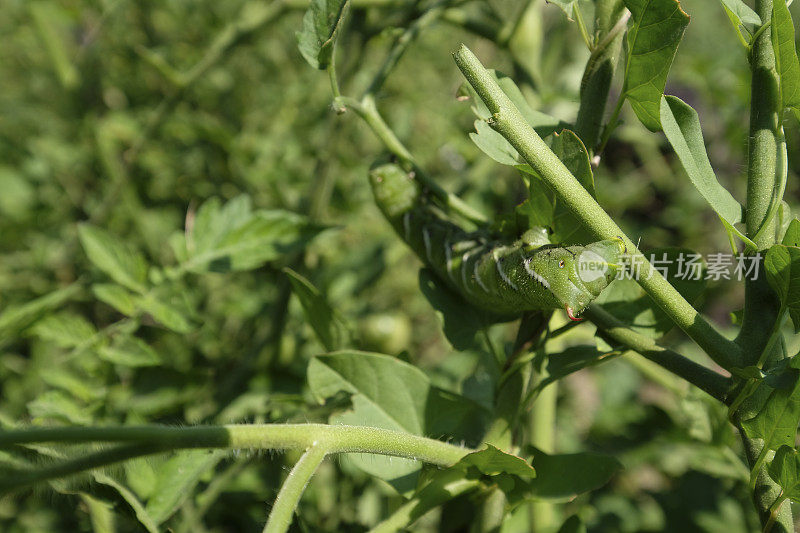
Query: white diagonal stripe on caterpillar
x=464, y=260
x=534, y=274
x=448, y=254
x=407, y=224
x=426, y=237
x=478, y=277
x=498, y=261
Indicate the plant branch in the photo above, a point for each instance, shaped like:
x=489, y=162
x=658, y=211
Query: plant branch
x=508, y=121
x=280, y=518
x=335, y=439
x=703, y=378
x=369, y=113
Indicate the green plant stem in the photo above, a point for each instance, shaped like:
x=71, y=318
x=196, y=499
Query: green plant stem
x=366, y=109
x=773, y=514
x=761, y=305
x=335, y=439
x=445, y=487
x=402, y=43
x=703, y=378
x=507, y=120
x=24, y=478
x=542, y=424
x=280, y=518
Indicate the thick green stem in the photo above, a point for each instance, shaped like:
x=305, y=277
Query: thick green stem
x=335, y=439
x=280, y=518
x=761, y=305
x=509, y=122
x=542, y=423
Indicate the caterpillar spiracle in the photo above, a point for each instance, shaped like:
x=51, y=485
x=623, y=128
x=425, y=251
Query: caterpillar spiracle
x=501, y=277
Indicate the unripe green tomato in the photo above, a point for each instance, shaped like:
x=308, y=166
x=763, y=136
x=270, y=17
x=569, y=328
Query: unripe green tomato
x=385, y=332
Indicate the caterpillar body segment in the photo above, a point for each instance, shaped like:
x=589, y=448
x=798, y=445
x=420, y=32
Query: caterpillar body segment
x=505, y=278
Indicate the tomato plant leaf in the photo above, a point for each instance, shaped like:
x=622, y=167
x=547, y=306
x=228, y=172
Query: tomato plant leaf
x=653, y=39
x=177, y=478
x=785, y=470
x=330, y=329
x=321, y=25
x=786, y=60
x=682, y=128
x=233, y=237
x=491, y=462
x=792, y=235
x=126, y=350
x=776, y=421
x=562, y=477
x=120, y=261
x=782, y=268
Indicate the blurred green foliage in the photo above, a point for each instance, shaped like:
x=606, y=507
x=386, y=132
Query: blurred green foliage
x=101, y=138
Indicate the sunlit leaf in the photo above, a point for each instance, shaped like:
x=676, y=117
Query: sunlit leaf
x=682, y=128
x=657, y=29
x=782, y=268
x=330, y=329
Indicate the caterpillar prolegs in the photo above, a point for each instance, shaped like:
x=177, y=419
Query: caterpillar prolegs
x=500, y=277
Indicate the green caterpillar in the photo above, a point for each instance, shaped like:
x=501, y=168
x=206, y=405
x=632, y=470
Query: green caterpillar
x=502, y=278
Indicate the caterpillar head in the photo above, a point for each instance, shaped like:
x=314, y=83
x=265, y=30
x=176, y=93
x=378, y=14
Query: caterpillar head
x=576, y=275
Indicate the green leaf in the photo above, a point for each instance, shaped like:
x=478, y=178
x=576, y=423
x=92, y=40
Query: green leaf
x=491, y=142
x=16, y=318
x=628, y=302
x=66, y=330
x=177, y=479
x=391, y=394
x=562, y=477
x=682, y=128
x=130, y=351
x=491, y=461
x=782, y=267
x=116, y=296
x=571, y=360
x=786, y=61
x=569, y=148
x=776, y=421
x=785, y=470
x=653, y=39
x=130, y=498
x=56, y=405
x=792, y=235
x=120, y=261
x=573, y=524
x=740, y=13
x=567, y=6
x=233, y=237
x=330, y=329
x=321, y=25
x=164, y=313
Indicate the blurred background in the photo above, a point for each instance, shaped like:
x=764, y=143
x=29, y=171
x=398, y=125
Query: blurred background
x=130, y=115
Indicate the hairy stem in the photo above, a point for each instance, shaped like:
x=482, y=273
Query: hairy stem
x=508, y=121
x=335, y=439
x=280, y=518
